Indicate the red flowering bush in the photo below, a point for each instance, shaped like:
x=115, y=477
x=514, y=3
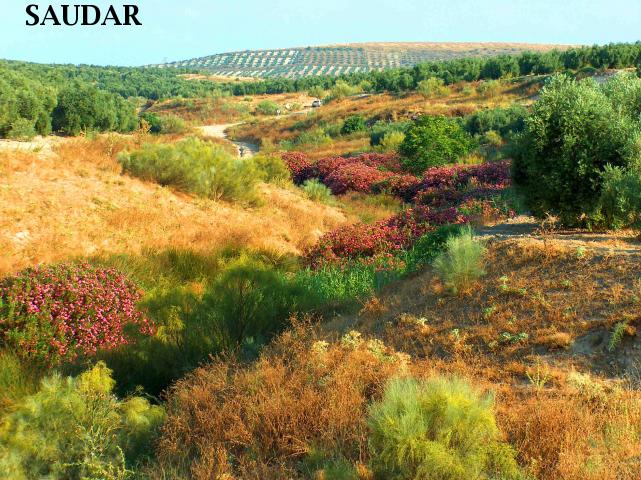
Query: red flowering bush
x=354, y=177
x=300, y=166
x=56, y=313
x=404, y=186
x=387, y=236
x=458, y=176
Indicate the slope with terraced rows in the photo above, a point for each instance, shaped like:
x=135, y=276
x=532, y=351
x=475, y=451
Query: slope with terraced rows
x=343, y=59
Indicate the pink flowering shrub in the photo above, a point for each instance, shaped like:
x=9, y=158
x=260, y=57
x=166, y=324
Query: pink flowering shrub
x=300, y=166
x=385, y=237
x=458, y=176
x=354, y=177
x=59, y=312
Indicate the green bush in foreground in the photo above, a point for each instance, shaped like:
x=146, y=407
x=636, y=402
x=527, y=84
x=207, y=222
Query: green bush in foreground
x=195, y=166
x=574, y=131
x=461, y=262
x=76, y=429
x=437, y=429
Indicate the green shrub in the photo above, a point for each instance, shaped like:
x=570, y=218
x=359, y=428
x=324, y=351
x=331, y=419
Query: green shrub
x=153, y=120
x=22, y=129
x=317, y=191
x=354, y=123
x=431, y=244
x=317, y=92
x=437, y=429
x=173, y=124
x=342, y=89
x=17, y=380
x=240, y=301
x=315, y=137
x=431, y=87
x=489, y=88
x=573, y=132
x=461, y=262
x=267, y=107
x=502, y=120
x=75, y=428
x=391, y=142
x=271, y=169
x=84, y=107
x=620, y=202
x=432, y=141
x=197, y=167
x=380, y=129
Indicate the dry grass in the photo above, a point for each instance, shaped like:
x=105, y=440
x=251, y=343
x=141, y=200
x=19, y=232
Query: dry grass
x=306, y=395
x=302, y=396
x=226, y=109
x=535, y=299
x=76, y=203
x=386, y=107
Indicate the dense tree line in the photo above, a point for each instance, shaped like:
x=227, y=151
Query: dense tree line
x=622, y=55
x=35, y=98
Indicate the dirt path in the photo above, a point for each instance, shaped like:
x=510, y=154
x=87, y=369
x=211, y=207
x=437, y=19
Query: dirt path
x=530, y=229
x=40, y=145
x=219, y=131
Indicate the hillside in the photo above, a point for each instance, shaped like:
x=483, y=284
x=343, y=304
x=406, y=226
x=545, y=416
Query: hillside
x=345, y=58
x=70, y=200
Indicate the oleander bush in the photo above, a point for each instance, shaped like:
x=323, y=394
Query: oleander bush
x=439, y=428
x=56, y=313
x=76, y=429
x=195, y=166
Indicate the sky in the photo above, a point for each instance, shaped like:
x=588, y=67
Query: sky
x=184, y=29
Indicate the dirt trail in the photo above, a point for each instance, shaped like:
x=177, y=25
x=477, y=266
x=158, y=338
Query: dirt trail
x=40, y=145
x=531, y=229
x=219, y=131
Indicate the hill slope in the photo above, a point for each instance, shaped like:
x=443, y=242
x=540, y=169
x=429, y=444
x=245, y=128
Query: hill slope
x=70, y=200
x=344, y=59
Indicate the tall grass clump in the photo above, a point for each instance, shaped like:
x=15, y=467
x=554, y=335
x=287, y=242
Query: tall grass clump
x=437, y=429
x=75, y=428
x=195, y=166
x=461, y=262
x=317, y=191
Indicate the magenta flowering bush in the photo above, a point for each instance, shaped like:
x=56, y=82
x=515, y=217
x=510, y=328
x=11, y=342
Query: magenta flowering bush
x=444, y=195
x=300, y=166
x=385, y=237
x=354, y=177
x=56, y=313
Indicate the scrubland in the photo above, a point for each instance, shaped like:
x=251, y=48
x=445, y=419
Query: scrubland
x=365, y=298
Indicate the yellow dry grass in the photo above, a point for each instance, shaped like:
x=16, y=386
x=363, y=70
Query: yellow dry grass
x=456, y=101
x=75, y=202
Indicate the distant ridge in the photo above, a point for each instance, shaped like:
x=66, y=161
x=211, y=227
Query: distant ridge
x=344, y=58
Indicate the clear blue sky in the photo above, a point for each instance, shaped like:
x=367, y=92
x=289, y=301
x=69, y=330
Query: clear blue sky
x=182, y=29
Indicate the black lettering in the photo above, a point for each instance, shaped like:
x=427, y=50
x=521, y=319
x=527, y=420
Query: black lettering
x=65, y=15
x=129, y=15
x=85, y=15
x=51, y=15
x=30, y=12
x=111, y=15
